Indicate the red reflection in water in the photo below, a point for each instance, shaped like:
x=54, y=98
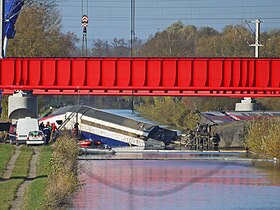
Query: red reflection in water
x=118, y=180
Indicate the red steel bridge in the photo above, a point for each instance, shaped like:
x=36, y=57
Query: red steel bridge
x=230, y=77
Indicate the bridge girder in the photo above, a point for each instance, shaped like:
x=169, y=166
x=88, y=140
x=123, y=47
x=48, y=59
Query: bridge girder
x=228, y=77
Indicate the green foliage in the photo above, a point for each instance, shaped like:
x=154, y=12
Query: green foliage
x=179, y=40
x=63, y=176
x=182, y=112
x=269, y=103
x=210, y=103
x=271, y=42
x=117, y=48
x=175, y=41
x=168, y=110
x=4, y=104
x=39, y=33
x=263, y=137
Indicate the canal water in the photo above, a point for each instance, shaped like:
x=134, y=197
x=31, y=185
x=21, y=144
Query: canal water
x=182, y=181
x=177, y=180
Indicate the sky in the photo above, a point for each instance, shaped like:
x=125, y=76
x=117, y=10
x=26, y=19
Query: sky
x=112, y=18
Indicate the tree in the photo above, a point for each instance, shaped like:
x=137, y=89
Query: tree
x=39, y=33
x=271, y=43
x=4, y=114
x=120, y=48
x=176, y=40
x=101, y=48
x=117, y=48
x=234, y=42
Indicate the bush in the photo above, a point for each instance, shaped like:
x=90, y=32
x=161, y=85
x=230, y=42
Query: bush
x=263, y=137
x=63, y=177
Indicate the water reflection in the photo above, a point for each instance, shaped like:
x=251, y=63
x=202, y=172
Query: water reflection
x=271, y=170
x=175, y=184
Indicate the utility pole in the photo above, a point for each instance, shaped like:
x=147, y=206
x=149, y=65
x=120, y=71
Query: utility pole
x=249, y=104
x=84, y=40
x=2, y=4
x=132, y=36
x=84, y=24
x=257, y=37
x=132, y=25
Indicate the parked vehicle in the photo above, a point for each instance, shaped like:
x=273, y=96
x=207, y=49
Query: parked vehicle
x=35, y=138
x=24, y=126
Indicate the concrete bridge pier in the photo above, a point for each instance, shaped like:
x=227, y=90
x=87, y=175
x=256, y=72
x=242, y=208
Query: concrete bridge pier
x=22, y=104
x=246, y=105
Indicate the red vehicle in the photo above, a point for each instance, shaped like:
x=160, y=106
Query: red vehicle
x=85, y=143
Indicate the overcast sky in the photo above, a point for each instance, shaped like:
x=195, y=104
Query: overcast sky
x=111, y=18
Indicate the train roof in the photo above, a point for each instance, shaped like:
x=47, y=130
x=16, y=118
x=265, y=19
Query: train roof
x=231, y=116
x=217, y=117
x=106, y=116
x=252, y=115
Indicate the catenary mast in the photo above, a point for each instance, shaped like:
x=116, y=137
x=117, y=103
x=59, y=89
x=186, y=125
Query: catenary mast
x=84, y=24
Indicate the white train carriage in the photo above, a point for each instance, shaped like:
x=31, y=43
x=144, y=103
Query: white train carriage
x=111, y=129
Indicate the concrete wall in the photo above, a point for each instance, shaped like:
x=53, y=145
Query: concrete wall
x=22, y=105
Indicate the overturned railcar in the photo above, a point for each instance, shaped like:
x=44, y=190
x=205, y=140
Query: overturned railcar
x=111, y=129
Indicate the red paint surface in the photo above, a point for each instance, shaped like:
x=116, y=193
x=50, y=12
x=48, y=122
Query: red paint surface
x=234, y=77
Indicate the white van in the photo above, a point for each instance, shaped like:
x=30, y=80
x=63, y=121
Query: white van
x=24, y=126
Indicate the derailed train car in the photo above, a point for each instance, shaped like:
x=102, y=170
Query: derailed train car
x=111, y=129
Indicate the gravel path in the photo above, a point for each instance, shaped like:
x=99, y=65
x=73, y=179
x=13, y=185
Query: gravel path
x=19, y=199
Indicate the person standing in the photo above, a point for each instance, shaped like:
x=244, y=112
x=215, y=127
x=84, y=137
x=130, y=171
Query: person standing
x=41, y=126
x=47, y=133
x=53, y=132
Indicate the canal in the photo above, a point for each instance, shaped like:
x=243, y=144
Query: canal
x=177, y=180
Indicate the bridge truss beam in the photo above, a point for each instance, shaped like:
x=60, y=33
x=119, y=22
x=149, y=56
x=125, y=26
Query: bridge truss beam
x=228, y=77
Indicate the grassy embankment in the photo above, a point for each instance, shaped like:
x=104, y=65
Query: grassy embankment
x=57, y=176
x=20, y=171
x=6, y=151
x=35, y=196
x=263, y=138
x=63, y=176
